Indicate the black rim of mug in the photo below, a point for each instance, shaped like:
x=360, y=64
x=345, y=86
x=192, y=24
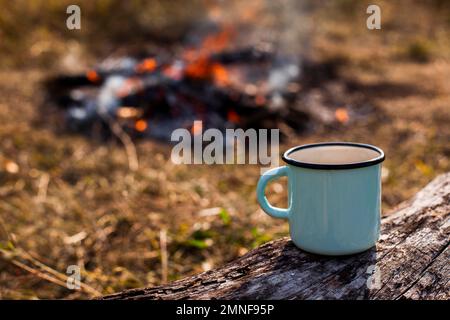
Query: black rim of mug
x=351, y=165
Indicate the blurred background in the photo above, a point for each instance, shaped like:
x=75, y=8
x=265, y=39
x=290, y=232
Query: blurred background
x=85, y=115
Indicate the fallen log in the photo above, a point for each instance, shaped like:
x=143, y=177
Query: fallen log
x=410, y=261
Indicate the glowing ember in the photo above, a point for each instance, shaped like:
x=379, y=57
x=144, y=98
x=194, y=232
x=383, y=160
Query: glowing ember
x=197, y=128
x=141, y=125
x=92, y=76
x=204, y=69
x=233, y=116
x=199, y=69
x=220, y=74
x=148, y=65
x=341, y=115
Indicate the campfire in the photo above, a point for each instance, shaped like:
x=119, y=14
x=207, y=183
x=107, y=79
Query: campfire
x=213, y=80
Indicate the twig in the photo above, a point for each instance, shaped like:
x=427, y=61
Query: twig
x=43, y=187
x=47, y=273
x=54, y=272
x=130, y=148
x=38, y=273
x=164, y=256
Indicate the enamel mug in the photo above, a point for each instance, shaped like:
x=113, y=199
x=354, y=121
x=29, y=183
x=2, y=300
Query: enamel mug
x=334, y=196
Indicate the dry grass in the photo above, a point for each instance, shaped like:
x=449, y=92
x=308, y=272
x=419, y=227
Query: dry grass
x=67, y=200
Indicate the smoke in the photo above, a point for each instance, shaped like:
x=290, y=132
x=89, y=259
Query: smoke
x=282, y=27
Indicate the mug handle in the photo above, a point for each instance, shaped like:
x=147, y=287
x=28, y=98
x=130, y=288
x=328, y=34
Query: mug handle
x=268, y=176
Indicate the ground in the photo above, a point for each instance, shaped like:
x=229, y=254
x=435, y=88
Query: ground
x=68, y=200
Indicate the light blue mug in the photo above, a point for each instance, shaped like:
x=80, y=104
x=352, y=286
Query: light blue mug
x=334, y=196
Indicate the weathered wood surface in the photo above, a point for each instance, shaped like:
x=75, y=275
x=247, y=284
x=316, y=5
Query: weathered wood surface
x=411, y=260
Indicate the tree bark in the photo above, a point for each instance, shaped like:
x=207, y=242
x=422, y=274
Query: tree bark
x=411, y=260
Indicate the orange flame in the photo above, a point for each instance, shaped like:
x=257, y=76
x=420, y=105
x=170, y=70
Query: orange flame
x=220, y=74
x=199, y=65
x=198, y=69
x=341, y=115
x=204, y=69
x=148, y=65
